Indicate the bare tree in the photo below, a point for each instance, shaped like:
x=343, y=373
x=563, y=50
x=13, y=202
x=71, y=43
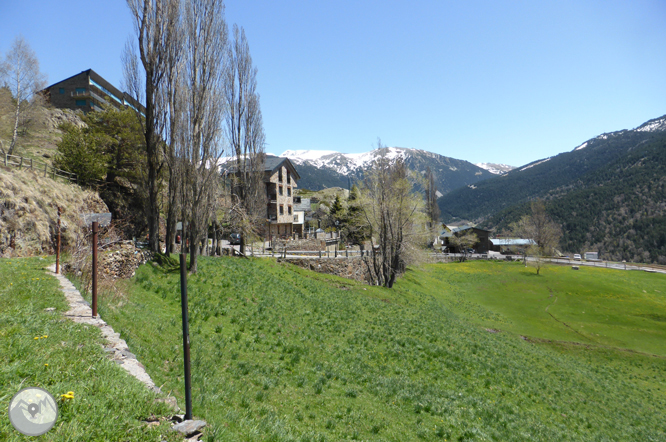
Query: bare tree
x=395, y=215
x=20, y=74
x=205, y=33
x=245, y=132
x=432, y=209
x=156, y=29
x=542, y=230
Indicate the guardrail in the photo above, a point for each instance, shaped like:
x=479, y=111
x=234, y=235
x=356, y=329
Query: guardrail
x=38, y=166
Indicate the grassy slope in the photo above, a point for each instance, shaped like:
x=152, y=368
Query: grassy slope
x=108, y=404
x=590, y=306
x=280, y=353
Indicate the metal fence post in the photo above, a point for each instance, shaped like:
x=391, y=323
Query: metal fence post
x=95, y=229
x=58, y=245
x=186, y=338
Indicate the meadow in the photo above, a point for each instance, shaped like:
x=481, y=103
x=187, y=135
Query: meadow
x=454, y=352
x=43, y=349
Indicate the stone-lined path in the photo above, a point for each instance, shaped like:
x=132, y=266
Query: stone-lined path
x=80, y=311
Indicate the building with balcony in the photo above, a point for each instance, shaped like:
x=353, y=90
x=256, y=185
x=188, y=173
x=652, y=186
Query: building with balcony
x=280, y=177
x=88, y=91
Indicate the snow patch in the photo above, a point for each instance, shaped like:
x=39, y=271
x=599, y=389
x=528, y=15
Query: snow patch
x=495, y=168
x=535, y=164
x=582, y=146
x=658, y=125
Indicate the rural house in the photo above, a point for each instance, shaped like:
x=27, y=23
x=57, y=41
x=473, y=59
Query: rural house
x=482, y=245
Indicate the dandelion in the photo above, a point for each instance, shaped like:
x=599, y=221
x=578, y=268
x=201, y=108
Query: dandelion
x=46, y=365
x=45, y=336
x=36, y=337
x=68, y=395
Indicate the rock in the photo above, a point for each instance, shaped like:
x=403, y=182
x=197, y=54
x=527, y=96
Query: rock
x=50, y=309
x=189, y=427
x=574, y=268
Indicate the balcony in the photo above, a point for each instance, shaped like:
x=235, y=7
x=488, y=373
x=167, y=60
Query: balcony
x=272, y=198
x=77, y=95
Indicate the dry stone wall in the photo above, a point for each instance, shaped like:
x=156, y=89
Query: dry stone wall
x=351, y=268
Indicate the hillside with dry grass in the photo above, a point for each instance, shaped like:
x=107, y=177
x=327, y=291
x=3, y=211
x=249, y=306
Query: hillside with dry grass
x=28, y=212
x=38, y=130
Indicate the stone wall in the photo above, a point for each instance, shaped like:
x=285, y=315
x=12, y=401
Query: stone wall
x=350, y=268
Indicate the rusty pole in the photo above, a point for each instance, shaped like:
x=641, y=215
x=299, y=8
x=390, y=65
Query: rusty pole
x=95, y=228
x=58, y=245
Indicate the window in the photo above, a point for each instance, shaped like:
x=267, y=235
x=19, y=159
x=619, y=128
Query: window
x=288, y=177
x=80, y=90
x=80, y=102
x=289, y=210
x=280, y=175
x=280, y=190
x=281, y=209
x=288, y=191
x=295, y=218
x=61, y=90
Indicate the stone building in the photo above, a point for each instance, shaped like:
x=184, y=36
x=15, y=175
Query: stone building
x=88, y=91
x=280, y=177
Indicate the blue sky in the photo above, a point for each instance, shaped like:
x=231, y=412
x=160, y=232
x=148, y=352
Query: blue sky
x=484, y=81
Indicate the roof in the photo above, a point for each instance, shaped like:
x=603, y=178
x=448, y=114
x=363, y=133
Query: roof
x=271, y=164
x=104, y=83
x=455, y=229
x=512, y=242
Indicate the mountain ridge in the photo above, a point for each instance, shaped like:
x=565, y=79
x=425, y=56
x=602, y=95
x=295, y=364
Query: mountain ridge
x=321, y=169
x=608, y=194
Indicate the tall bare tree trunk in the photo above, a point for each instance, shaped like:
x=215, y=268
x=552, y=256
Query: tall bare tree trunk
x=156, y=28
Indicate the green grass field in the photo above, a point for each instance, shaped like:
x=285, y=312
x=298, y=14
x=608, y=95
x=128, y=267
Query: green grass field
x=40, y=349
x=284, y=354
x=600, y=307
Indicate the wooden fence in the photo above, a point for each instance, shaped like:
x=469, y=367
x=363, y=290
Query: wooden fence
x=39, y=167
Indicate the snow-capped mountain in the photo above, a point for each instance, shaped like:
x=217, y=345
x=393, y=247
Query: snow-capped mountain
x=495, y=168
x=323, y=168
x=652, y=126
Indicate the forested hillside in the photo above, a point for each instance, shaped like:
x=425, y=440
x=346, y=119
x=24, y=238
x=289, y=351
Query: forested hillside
x=619, y=210
x=608, y=195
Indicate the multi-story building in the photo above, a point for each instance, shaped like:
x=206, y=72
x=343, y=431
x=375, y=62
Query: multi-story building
x=88, y=91
x=280, y=178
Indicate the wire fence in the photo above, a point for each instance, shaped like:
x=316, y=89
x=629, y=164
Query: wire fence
x=39, y=167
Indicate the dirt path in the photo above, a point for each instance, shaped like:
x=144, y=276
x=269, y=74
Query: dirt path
x=80, y=311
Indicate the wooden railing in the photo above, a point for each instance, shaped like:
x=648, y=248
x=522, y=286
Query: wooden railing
x=38, y=166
